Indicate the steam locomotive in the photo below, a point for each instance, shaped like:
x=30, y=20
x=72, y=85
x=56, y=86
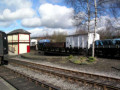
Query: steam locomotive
x=3, y=46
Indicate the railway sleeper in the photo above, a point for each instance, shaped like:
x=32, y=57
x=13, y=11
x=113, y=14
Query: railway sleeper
x=102, y=77
x=51, y=87
x=98, y=83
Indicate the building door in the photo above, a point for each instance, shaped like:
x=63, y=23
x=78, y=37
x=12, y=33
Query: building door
x=28, y=49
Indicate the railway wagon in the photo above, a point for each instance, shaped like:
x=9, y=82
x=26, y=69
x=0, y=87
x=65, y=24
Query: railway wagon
x=107, y=47
x=51, y=46
x=80, y=43
x=33, y=44
x=42, y=43
x=3, y=46
x=55, y=46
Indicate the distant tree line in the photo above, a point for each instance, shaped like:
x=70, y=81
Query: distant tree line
x=56, y=36
x=108, y=32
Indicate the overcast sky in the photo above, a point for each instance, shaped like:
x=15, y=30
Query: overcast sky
x=38, y=16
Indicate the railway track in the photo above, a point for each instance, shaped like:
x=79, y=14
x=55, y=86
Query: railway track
x=103, y=82
x=21, y=81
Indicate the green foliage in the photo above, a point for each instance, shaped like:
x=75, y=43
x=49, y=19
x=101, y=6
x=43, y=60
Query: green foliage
x=77, y=61
x=70, y=57
x=91, y=59
x=81, y=60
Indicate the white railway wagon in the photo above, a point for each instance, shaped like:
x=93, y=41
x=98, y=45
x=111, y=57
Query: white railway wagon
x=33, y=42
x=19, y=41
x=81, y=41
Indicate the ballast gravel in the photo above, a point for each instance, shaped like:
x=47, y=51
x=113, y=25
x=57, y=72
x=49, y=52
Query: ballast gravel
x=63, y=84
x=103, y=68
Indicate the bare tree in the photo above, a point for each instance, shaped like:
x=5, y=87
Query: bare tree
x=93, y=48
x=88, y=8
x=87, y=5
x=82, y=12
x=109, y=31
x=58, y=37
x=81, y=31
x=94, y=9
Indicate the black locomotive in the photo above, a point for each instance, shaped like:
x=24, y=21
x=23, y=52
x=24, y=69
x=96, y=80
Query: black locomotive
x=3, y=46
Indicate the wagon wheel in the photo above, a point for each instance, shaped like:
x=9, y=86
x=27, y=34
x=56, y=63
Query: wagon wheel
x=1, y=60
x=65, y=50
x=60, y=50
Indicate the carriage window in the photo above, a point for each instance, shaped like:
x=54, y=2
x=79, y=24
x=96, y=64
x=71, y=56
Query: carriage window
x=97, y=43
x=101, y=43
x=117, y=42
x=110, y=42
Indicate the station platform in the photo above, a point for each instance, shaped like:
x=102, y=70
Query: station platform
x=5, y=85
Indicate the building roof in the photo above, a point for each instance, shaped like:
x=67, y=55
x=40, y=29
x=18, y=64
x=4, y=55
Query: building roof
x=17, y=31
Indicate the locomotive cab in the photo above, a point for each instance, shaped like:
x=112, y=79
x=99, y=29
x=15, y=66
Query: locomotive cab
x=3, y=46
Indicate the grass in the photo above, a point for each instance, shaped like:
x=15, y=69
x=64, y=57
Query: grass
x=81, y=60
x=91, y=59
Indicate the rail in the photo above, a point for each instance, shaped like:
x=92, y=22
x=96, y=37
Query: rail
x=96, y=80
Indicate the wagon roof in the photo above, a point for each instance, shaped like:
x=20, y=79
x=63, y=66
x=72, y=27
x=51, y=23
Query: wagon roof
x=17, y=31
x=77, y=34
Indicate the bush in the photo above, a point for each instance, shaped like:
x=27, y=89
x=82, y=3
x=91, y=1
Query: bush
x=77, y=61
x=91, y=59
x=81, y=60
x=70, y=57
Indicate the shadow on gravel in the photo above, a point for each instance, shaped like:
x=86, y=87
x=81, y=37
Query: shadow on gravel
x=116, y=68
x=63, y=54
x=58, y=54
x=55, y=54
x=4, y=62
x=110, y=57
x=116, y=57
